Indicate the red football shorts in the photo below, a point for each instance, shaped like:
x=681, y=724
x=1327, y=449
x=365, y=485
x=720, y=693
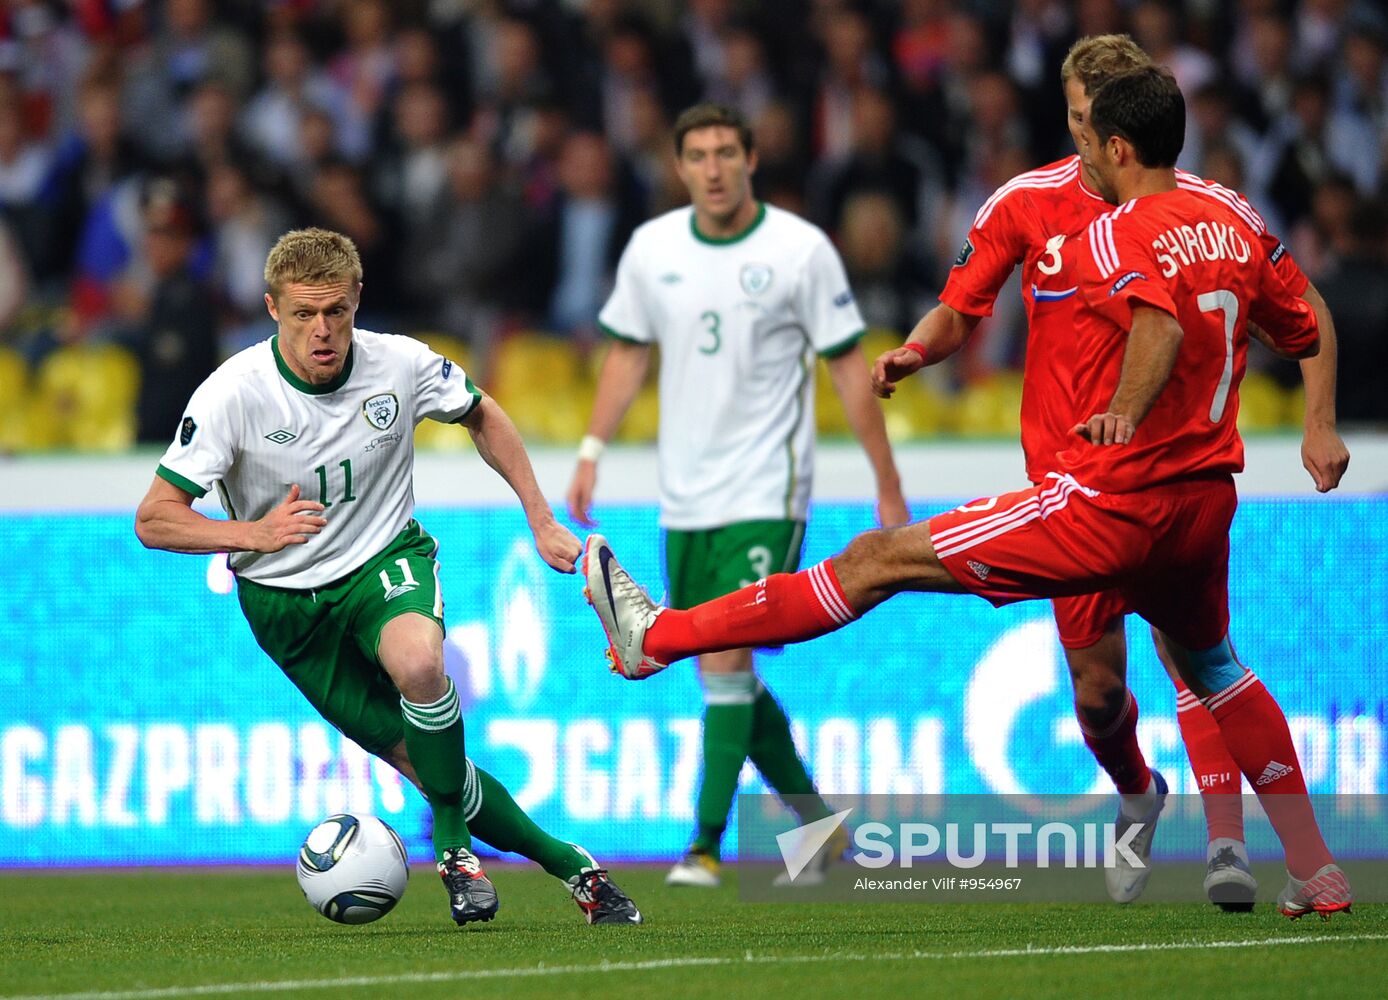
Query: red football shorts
x=1164, y=552
x=1083, y=620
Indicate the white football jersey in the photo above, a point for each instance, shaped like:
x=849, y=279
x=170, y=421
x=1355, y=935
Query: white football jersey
x=254, y=428
x=739, y=323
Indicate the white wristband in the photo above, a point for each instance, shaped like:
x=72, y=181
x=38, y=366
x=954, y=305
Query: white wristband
x=590, y=449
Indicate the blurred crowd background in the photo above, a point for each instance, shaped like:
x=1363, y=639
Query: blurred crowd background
x=491, y=158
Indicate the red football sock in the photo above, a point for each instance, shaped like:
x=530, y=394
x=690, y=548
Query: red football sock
x=1215, y=771
x=784, y=608
x=1115, y=748
x=1256, y=733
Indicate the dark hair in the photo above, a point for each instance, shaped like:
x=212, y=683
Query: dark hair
x=709, y=115
x=1145, y=107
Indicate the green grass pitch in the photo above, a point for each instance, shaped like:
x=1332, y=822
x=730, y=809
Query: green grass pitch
x=217, y=932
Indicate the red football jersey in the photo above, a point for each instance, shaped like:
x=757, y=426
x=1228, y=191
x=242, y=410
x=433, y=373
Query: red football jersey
x=1033, y=220
x=1193, y=257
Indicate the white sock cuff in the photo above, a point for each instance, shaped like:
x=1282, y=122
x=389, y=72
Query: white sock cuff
x=730, y=689
x=435, y=715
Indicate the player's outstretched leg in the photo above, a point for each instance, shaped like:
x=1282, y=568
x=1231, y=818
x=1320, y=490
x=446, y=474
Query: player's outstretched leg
x=494, y=817
x=643, y=637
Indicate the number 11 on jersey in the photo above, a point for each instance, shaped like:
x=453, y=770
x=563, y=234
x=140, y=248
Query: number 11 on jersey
x=347, y=495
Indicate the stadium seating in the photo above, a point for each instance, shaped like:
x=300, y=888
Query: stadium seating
x=535, y=378
x=14, y=390
x=86, y=399
x=431, y=435
x=991, y=406
x=1262, y=403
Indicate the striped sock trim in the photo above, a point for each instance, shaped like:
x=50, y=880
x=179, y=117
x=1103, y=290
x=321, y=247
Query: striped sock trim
x=434, y=716
x=1222, y=698
x=472, y=793
x=830, y=594
x=1187, y=701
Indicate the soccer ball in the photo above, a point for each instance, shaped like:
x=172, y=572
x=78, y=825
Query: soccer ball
x=353, y=869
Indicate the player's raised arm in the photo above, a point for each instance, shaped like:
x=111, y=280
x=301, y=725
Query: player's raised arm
x=166, y=520
x=501, y=447
x=940, y=333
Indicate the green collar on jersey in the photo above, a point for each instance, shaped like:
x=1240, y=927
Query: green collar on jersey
x=722, y=241
x=288, y=375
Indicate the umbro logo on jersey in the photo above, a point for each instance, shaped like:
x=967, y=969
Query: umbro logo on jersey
x=756, y=278
x=1272, y=772
x=281, y=436
x=381, y=410
x=671, y=278
x=965, y=252
x=398, y=589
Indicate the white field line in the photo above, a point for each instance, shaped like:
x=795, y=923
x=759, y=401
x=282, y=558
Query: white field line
x=530, y=972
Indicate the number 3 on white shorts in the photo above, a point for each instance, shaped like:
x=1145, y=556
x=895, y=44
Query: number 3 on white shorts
x=1225, y=301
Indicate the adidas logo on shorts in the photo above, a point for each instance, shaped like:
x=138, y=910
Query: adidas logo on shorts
x=1273, y=771
x=981, y=570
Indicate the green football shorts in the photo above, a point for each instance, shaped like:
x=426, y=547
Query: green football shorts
x=702, y=565
x=325, y=639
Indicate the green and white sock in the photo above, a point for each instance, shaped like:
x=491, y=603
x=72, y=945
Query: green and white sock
x=728, y=716
x=434, y=741
x=495, y=817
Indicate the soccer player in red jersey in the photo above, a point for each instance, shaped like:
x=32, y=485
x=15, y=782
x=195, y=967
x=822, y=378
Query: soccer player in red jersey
x=1142, y=500
x=1033, y=221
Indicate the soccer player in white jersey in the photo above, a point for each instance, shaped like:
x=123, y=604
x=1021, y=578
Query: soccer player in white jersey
x=741, y=297
x=308, y=438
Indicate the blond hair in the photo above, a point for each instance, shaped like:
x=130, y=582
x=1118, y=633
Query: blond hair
x=311, y=257
x=1097, y=58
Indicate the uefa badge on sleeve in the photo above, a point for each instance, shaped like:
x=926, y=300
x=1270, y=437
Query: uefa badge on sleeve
x=186, y=431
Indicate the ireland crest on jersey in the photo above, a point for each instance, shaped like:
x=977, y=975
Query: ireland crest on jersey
x=756, y=278
x=381, y=410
